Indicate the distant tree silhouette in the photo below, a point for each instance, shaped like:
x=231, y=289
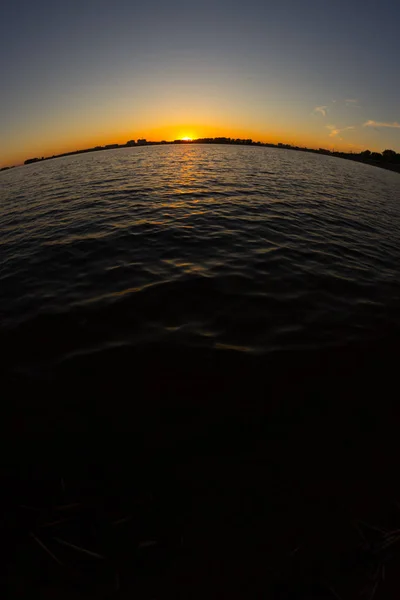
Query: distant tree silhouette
x=389, y=159
x=389, y=155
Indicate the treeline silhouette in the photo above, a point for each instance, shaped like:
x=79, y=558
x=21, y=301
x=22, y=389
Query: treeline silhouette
x=388, y=159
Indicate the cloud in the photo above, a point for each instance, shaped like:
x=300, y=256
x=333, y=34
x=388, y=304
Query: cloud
x=352, y=102
x=323, y=110
x=394, y=125
x=334, y=131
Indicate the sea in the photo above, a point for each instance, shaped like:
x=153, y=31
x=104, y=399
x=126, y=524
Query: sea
x=199, y=359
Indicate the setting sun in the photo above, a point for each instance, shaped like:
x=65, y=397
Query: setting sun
x=186, y=139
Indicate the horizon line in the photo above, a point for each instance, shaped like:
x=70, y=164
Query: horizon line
x=216, y=140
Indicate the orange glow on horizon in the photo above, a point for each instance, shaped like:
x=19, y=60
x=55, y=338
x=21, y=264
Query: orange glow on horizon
x=46, y=147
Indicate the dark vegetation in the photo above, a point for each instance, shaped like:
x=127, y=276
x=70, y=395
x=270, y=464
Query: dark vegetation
x=388, y=159
x=180, y=474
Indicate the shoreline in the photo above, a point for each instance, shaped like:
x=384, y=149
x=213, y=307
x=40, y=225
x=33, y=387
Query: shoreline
x=382, y=163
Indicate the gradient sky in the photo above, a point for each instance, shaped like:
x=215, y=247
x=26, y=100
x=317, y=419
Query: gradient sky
x=79, y=73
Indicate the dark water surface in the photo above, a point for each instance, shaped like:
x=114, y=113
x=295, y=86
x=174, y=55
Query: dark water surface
x=237, y=312
x=256, y=249
x=188, y=269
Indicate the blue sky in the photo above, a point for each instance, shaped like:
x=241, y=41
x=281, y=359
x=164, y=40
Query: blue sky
x=318, y=73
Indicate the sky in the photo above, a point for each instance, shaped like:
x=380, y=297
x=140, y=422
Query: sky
x=80, y=73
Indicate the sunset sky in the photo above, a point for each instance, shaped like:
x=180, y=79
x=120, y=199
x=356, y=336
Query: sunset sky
x=85, y=72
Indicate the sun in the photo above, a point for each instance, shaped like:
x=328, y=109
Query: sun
x=186, y=139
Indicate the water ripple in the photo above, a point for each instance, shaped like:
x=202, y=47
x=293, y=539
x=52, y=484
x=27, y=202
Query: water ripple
x=247, y=250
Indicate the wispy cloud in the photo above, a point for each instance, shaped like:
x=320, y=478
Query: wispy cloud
x=335, y=131
x=352, y=102
x=322, y=110
x=394, y=125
